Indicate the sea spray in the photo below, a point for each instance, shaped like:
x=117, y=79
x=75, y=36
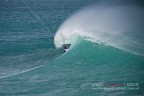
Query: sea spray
x=121, y=27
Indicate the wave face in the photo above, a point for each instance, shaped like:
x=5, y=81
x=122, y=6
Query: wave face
x=107, y=48
x=120, y=26
x=73, y=73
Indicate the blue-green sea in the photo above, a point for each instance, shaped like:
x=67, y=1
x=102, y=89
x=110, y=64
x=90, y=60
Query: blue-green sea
x=106, y=56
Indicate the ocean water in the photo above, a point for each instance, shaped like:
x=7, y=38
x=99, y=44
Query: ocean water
x=106, y=57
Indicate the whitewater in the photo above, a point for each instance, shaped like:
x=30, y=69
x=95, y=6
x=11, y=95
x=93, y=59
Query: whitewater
x=106, y=56
x=121, y=27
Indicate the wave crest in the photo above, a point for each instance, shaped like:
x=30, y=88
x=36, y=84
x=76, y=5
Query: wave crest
x=121, y=27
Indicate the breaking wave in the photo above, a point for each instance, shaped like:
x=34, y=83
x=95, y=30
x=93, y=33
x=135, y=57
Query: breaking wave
x=120, y=27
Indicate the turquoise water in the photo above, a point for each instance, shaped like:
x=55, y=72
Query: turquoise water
x=30, y=65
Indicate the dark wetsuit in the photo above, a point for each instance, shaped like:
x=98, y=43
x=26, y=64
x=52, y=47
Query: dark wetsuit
x=65, y=47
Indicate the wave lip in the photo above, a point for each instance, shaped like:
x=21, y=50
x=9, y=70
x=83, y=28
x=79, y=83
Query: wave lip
x=121, y=27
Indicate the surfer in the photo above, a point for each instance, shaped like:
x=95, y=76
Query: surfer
x=66, y=47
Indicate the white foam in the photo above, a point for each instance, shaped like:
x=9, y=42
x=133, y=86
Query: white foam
x=121, y=27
